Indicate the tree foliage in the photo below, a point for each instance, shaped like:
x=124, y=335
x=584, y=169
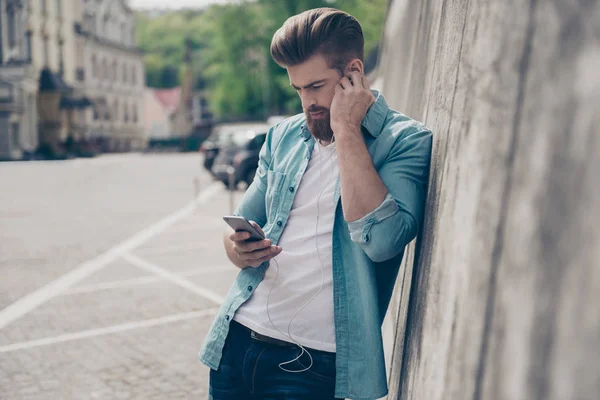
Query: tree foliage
x=230, y=46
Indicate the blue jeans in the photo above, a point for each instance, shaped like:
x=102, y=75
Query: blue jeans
x=249, y=369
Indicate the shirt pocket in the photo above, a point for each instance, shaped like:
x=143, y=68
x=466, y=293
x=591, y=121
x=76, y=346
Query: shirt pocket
x=275, y=181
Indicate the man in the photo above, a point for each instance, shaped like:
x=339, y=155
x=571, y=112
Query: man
x=339, y=192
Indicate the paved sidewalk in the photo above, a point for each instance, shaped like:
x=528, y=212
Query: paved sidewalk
x=127, y=324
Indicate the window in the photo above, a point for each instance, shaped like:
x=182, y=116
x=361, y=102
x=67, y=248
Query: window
x=133, y=77
x=114, y=70
x=116, y=110
x=125, y=113
x=90, y=22
x=61, y=61
x=29, y=35
x=125, y=73
x=135, y=114
x=16, y=143
x=104, y=70
x=12, y=34
x=43, y=7
x=58, y=4
x=105, y=26
x=94, y=67
x=46, y=52
x=96, y=114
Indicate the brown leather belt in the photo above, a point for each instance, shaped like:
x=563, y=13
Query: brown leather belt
x=265, y=339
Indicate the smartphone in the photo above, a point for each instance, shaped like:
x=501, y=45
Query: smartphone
x=242, y=224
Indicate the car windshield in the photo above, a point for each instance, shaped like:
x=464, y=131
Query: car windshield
x=237, y=138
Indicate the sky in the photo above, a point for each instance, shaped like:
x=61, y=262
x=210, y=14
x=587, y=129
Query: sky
x=174, y=3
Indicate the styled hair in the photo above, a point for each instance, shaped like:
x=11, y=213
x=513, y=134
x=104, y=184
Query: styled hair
x=332, y=33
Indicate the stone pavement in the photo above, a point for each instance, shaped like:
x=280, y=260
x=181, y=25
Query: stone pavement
x=132, y=328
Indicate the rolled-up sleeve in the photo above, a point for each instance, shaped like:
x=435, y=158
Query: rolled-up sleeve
x=384, y=232
x=252, y=206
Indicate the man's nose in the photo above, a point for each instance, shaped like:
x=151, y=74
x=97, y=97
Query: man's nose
x=307, y=101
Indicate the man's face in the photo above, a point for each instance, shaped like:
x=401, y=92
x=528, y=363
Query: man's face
x=315, y=83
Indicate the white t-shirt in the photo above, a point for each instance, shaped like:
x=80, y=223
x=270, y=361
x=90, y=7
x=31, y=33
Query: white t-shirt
x=302, y=269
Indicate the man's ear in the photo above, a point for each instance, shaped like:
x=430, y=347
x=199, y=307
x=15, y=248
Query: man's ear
x=354, y=66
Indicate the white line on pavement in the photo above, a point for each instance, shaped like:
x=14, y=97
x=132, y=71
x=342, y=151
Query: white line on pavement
x=176, y=279
x=42, y=295
x=139, y=281
x=108, y=330
x=173, y=249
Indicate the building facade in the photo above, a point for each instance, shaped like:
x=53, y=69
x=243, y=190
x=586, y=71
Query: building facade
x=18, y=82
x=57, y=60
x=113, y=74
x=159, y=106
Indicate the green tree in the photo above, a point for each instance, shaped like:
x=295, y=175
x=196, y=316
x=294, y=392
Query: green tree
x=231, y=51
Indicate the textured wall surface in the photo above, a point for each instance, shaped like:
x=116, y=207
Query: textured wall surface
x=505, y=289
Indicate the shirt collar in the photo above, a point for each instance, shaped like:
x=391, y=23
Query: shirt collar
x=372, y=122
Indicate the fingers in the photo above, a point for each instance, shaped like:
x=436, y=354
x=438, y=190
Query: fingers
x=239, y=236
x=356, y=79
x=258, y=255
x=258, y=228
x=345, y=83
x=245, y=246
x=256, y=258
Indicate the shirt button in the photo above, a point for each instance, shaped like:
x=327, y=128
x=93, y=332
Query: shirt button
x=279, y=223
x=249, y=288
x=291, y=189
x=227, y=317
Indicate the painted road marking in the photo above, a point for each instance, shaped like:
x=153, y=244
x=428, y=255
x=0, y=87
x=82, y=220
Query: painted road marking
x=95, y=287
x=108, y=330
x=174, y=278
x=42, y=295
x=199, y=246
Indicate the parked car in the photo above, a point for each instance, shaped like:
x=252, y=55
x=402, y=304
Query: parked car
x=210, y=149
x=220, y=137
x=239, y=150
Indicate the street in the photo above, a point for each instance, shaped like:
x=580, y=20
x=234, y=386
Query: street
x=112, y=270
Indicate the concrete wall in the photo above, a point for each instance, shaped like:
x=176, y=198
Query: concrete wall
x=505, y=289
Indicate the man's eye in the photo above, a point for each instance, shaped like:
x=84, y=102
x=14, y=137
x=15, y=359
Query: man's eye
x=317, y=87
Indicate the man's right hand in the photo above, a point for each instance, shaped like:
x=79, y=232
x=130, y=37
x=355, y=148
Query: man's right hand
x=253, y=253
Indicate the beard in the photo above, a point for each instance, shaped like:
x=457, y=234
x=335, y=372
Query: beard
x=319, y=128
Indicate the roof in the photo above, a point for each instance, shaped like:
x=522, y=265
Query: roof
x=169, y=98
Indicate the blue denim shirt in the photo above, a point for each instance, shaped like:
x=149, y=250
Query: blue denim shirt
x=366, y=253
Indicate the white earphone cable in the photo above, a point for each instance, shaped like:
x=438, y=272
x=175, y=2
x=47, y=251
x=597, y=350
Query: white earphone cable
x=289, y=334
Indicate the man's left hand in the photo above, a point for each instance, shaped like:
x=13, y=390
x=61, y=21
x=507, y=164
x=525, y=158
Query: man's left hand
x=350, y=104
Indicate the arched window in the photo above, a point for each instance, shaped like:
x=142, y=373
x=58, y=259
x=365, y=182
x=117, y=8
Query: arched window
x=105, y=25
x=116, y=110
x=104, y=73
x=94, y=66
